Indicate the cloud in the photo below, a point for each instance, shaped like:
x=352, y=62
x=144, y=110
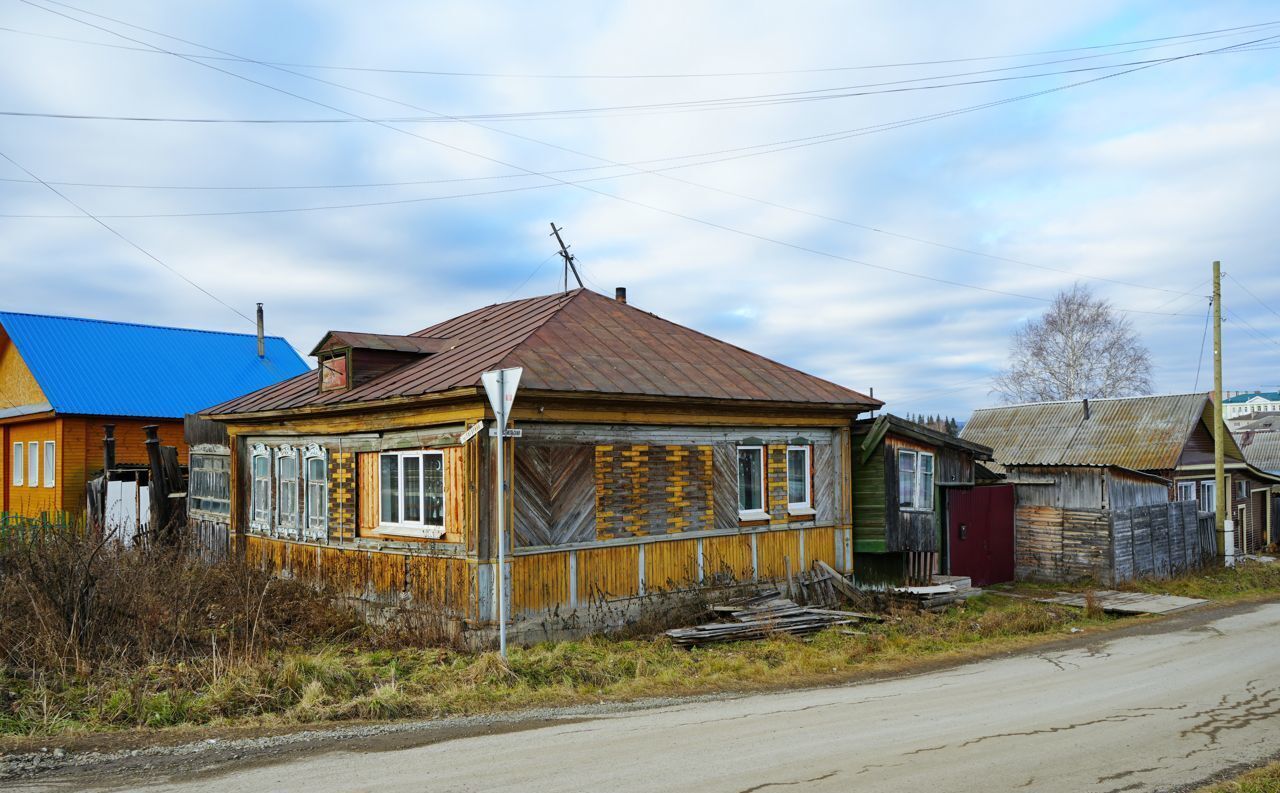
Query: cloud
x=1143, y=179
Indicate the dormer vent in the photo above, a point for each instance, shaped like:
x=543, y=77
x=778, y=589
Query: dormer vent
x=347, y=360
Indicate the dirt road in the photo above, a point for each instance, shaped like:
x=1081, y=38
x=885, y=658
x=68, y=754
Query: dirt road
x=1155, y=709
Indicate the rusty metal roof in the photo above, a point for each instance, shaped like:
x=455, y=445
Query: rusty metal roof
x=577, y=341
x=1140, y=433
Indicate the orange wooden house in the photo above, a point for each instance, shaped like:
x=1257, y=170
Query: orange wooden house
x=63, y=378
x=653, y=459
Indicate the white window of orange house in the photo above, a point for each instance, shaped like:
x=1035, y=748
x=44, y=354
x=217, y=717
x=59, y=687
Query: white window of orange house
x=50, y=458
x=33, y=464
x=17, y=464
x=751, y=483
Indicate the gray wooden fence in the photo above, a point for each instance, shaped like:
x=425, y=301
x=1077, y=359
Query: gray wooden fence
x=1160, y=541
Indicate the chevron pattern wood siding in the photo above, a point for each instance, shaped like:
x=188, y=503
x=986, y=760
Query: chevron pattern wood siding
x=824, y=483
x=554, y=494
x=725, y=488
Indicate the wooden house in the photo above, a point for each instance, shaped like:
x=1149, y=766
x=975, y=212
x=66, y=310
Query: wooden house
x=1115, y=455
x=903, y=475
x=62, y=379
x=652, y=459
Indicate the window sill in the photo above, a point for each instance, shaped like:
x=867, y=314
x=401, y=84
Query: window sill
x=421, y=532
x=801, y=512
x=752, y=515
x=921, y=510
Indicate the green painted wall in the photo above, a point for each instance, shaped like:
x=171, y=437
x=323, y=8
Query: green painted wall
x=869, y=503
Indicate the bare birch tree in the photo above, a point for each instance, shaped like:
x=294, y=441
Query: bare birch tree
x=1080, y=349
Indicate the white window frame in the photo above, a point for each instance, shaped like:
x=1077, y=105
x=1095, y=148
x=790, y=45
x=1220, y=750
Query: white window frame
x=1185, y=485
x=1208, y=492
x=763, y=512
x=33, y=463
x=50, y=463
x=804, y=507
x=315, y=524
x=413, y=528
x=259, y=514
x=287, y=523
x=19, y=463
x=920, y=488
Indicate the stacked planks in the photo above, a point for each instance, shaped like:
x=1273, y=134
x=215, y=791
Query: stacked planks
x=925, y=598
x=761, y=616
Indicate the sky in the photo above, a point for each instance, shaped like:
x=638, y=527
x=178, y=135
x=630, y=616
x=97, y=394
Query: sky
x=875, y=193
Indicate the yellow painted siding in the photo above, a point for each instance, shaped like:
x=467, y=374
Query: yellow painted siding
x=440, y=582
x=670, y=565
x=820, y=544
x=607, y=573
x=540, y=581
x=727, y=557
x=17, y=385
x=773, y=549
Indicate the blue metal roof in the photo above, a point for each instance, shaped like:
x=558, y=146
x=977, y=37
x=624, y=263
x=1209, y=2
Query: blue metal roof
x=93, y=367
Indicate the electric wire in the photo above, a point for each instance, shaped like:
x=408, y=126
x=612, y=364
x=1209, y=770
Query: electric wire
x=1250, y=293
x=130, y=242
x=1204, y=335
x=658, y=76
x=672, y=213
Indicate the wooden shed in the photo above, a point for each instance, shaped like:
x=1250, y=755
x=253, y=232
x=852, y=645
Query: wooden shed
x=652, y=460
x=903, y=475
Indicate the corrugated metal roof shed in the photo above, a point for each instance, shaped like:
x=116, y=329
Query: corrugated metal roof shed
x=577, y=341
x=1141, y=433
x=94, y=367
x=1261, y=449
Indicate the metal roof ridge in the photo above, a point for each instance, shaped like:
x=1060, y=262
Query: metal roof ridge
x=1092, y=399
x=136, y=325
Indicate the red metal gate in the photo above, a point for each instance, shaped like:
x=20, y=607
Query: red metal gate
x=980, y=533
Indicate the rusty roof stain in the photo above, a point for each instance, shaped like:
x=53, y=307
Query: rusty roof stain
x=1139, y=433
x=576, y=341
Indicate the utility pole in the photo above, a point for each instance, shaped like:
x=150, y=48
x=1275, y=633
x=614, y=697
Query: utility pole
x=568, y=259
x=1225, y=526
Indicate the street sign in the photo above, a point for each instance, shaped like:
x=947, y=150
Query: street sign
x=507, y=433
x=501, y=387
x=471, y=432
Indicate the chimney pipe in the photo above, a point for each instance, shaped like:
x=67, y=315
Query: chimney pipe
x=1086, y=408
x=262, y=342
x=620, y=294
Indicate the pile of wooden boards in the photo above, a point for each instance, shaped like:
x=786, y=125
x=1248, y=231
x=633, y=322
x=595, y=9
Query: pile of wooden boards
x=925, y=598
x=760, y=616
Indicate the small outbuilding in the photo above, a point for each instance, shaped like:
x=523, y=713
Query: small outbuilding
x=904, y=473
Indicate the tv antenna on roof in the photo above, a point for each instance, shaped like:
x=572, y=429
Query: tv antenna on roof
x=568, y=259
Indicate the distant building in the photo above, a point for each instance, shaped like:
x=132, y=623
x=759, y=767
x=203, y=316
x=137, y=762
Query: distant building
x=1255, y=402
x=63, y=378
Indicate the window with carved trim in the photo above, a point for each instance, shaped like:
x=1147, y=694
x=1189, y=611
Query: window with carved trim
x=316, y=472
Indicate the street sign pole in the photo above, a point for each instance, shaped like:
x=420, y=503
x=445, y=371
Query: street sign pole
x=501, y=387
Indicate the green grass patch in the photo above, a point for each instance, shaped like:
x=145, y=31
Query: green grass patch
x=335, y=683
x=1260, y=780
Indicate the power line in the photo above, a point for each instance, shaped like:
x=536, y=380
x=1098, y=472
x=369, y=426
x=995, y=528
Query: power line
x=1250, y=293
x=1200, y=360
x=133, y=244
x=611, y=111
x=529, y=278
x=658, y=76
x=1257, y=333
x=672, y=213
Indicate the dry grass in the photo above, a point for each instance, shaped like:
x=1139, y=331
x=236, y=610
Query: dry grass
x=343, y=682
x=1261, y=780
x=1246, y=581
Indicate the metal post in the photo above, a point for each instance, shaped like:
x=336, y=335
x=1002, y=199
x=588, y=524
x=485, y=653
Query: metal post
x=502, y=533
x=1225, y=525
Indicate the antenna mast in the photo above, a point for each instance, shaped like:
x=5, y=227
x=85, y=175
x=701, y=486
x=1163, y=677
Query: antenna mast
x=568, y=260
